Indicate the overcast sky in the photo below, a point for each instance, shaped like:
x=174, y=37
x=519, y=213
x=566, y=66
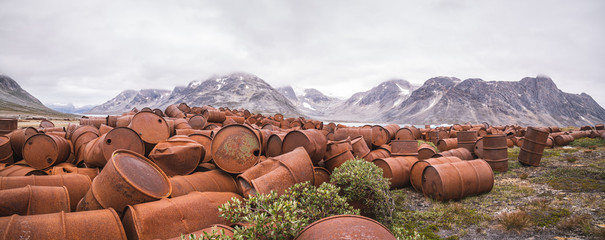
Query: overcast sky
x=86, y=52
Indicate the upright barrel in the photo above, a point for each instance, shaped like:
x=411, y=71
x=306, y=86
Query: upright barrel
x=533, y=146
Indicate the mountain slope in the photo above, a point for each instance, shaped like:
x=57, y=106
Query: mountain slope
x=69, y=108
x=237, y=90
x=129, y=99
x=14, y=101
x=370, y=105
x=311, y=102
x=531, y=101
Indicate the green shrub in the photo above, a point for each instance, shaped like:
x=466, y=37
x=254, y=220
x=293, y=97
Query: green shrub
x=361, y=182
x=282, y=217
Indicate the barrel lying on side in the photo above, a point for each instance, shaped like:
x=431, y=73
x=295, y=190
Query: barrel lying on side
x=32, y=200
x=168, y=218
x=345, y=227
x=100, y=224
x=453, y=181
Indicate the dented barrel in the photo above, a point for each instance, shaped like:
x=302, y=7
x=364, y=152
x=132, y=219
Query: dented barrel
x=453, y=181
x=345, y=227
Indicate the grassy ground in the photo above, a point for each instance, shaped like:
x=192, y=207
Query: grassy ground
x=562, y=198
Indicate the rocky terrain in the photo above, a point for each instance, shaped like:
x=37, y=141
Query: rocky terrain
x=531, y=101
x=16, y=102
x=129, y=99
x=312, y=102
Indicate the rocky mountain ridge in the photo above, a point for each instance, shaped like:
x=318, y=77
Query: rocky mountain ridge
x=15, y=101
x=440, y=100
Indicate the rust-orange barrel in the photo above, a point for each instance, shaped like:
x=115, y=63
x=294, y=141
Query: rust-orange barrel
x=206, y=141
x=313, y=140
x=335, y=161
x=42, y=151
x=343, y=133
x=7, y=125
x=174, y=111
x=68, y=168
x=17, y=140
x=447, y=144
x=425, y=151
x=98, y=151
x=6, y=151
x=178, y=155
x=101, y=224
x=20, y=170
x=210, y=181
x=128, y=178
x=320, y=175
x=419, y=166
x=214, y=116
x=397, y=170
x=168, y=218
x=335, y=148
x=151, y=128
x=294, y=167
x=383, y=135
x=274, y=144
x=563, y=140
x=408, y=133
x=77, y=185
x=467, y=139
x=453, y=181
x=32, y=200
x=198, y=122
x=404, y=148
x=236, y=148
x=93, y=121
x=494, y=151
x=345, y=227
x=359, y=148
x=533, y=146
x=378, y=153
x=460, y=152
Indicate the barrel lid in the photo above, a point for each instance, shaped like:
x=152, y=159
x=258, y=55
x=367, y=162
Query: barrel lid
x=150, y=127
x=122, y=138
x=142, y=174
x=236, y=148
x=4, y=140
x=40, y=151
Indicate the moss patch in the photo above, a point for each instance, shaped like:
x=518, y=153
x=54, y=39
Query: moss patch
x=588, y=142
x=574, y=179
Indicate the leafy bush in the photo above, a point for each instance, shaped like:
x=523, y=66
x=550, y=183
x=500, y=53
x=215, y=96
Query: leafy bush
x=361, y=182
x=282, y=217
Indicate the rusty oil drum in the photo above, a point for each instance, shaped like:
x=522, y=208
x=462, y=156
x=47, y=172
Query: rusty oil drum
x=206, y=141
x=20, y=170
x=404, y=148
x=100, y=224
x=563, y=140
x=293, y=167
x=6, y=151
x=178, y=155
x=210, y=181
x=17, y=140
x=168, y=218
x=345, y=227
x=42, y=151
x=418, y=168
x=274, y=144
x=408, y=133
x=314, y=142
x=32, y=200
x=397, y=170
x=128, y=178
x=425, y=151
x=236, y=148
x=151, y=128
x=493, y=149
x=447, y=144
x=453, y=181
x=533, y=146
x=320, y=175
x=99, y=151
x=77, y=185
x=467, y=139
x=460, y=152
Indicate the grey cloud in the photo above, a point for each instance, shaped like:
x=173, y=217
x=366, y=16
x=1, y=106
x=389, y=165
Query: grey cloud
x=87, y=51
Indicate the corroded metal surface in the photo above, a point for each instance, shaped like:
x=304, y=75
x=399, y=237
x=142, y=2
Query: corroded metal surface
x=418, y=168
x=77, y=185
x=236, y=148
x=32, y=200
x=533, y=146
x=210, y=181
x=453, y=181
x=397, y=170
x=345, y=227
